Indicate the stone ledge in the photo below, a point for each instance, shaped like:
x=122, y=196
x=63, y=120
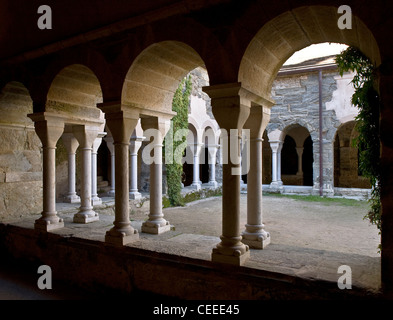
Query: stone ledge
x=129, y=268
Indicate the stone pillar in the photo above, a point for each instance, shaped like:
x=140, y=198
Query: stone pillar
x=212, y=149
x=158, y=127
x=276, y=147
x=254, y=235
x=196, y=150
x=121, y=123
x=49, y=131
x=279, y=181
x=299, y=151
x=111, y=148
x=86, y=136
x=96, y=144
x=135, y=144
x=231, y=108
x=71, y=145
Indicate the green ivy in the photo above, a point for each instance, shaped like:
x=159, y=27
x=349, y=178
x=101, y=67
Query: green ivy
x=174, y=171
x=367, y=100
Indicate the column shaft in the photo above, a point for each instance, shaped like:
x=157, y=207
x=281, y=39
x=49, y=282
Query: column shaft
x=86, y=136
x=156, y=223
x=49, y=133
x=121, y=123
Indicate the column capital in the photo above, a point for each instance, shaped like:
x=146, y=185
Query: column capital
x=85, y=135
x=49, y=128
x=276, y=145
x=232, y=103
x=257, y=121
x=120, y=119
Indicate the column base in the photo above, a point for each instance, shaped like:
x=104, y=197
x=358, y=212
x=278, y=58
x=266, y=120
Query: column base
x=277, y=186
x=196, y=186
x=135, y=195
x=213, y=184
x=46, y=225
x=155, y=228
x=237, y=260
x=96, y=201
x=121, y=239
x=72, y=199
x=259, y=243
x=82, y=217
x=111, y=193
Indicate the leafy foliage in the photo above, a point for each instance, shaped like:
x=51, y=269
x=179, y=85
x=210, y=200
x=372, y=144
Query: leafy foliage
x=174, y=171
x=367, y=100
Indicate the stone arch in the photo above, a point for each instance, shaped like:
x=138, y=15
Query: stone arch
x=154, y=75
x=15, y=104
x=65, y=64
x=297, y=156
x=74, y=94
x=291, y=31
x=346, y=166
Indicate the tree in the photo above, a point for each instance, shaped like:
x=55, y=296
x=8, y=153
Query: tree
x=174, y=171
x=367, y=100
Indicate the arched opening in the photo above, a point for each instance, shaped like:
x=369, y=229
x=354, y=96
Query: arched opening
x=73, y=96
x=297, y=157
x=346, y=165
x=275, y=42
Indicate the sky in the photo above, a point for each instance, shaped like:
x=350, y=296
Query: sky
x=314, y=51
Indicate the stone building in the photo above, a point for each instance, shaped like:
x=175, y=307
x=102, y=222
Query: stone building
x=115, y=66
x=312, y=104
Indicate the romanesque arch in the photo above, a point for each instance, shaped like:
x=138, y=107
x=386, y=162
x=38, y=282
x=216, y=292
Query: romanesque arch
x=346, y=166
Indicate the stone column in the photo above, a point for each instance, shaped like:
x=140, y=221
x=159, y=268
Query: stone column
x=279, y=181
x=231, y=108
x=212, y=149
x=135, y=144
x=49, y=131
x=121, y=122
x=71, y=144
x=254, y=235
x=96, y=144
x=196, y=149
x=111, y=148
x=158, y=127
x=299, y=151
x=85, y=136
x=276, y=147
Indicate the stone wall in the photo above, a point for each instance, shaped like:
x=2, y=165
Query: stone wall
x=20, y=155
x=296, y=99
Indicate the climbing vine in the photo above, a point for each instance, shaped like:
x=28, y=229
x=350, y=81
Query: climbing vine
x=174, y=171
x=367, y=100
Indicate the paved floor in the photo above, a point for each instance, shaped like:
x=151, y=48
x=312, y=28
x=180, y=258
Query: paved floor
x=308, y=239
